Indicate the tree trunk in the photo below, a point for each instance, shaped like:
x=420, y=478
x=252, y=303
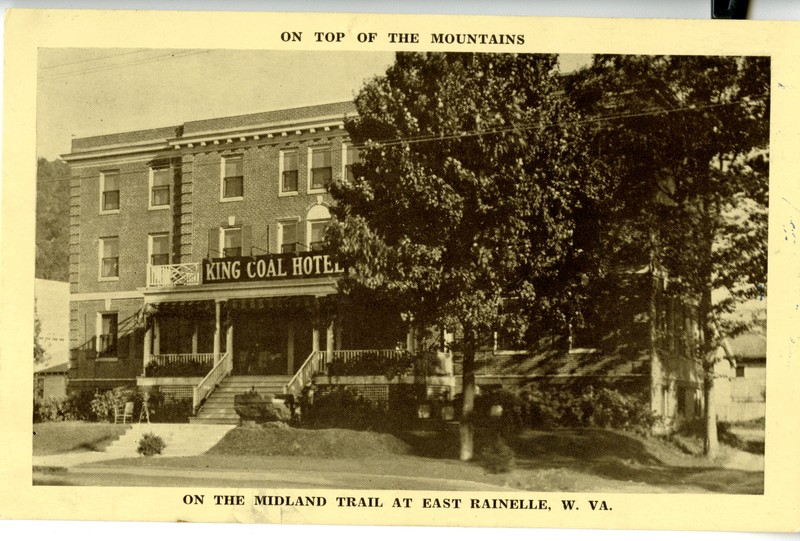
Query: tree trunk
x=710, y=443
x=467, y=428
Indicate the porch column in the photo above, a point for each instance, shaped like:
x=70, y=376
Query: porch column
x=290, y=348
x=229, y=338
x=217, y=311
x=338, y=336
x=157, y=336
x=195, y=334
x=411, y=340
x=148, y=342
x=329, y=341
x=315, y=338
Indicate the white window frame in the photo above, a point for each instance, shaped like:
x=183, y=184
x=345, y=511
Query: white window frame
x=345, y=163
x=150, y=253
x=281, y=224
x=150, y=205
x=309, y=226
x=99, y=333
x=281, y=156
x=223, y=161
x=100, y=246
x=103, y=189
x=309, y=167
x=222, y=231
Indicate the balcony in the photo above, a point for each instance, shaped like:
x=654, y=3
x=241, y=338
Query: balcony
x=180, y=274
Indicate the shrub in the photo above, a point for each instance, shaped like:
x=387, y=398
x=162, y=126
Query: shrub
x=150, y=445
x=343, y=407
x=496, y=456
x=76, y=406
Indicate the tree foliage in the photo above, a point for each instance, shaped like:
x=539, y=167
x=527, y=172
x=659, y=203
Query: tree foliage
x=687, y=141
x=52, y=220
x=472, y=176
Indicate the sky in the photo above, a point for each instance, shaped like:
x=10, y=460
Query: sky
x=85, y=92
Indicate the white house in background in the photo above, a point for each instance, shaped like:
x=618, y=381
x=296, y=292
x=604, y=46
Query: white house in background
x=741, y=386
x=52, y=309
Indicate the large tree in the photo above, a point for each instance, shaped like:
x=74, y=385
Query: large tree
x=686, y=140
x=52, y=220
x=472, y=174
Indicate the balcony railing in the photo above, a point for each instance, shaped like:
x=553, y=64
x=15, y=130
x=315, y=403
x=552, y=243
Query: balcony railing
x=180, y=274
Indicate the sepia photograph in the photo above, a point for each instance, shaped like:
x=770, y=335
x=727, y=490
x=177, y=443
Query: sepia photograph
x=433, y=274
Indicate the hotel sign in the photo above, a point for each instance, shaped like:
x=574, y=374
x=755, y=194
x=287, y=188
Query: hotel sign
x=269, y=267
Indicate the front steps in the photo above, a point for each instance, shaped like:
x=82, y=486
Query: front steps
x=180, y=439
x=218, y=408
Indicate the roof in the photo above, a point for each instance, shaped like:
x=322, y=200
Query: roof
x=748, y=346
x=86, y=143
x=62, y=368
x=340, y=109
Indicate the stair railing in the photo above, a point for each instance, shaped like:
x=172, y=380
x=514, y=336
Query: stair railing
x=204, y=388
x=304, y=375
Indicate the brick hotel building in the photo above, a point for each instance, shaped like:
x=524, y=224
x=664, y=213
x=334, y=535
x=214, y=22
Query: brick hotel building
x=196, y=266
x=195, y=255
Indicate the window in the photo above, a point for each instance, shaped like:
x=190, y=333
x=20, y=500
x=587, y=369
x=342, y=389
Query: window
x=159, y=249
x=159, y=187
x=351, y=157
x=740, y=371
x=318, y=235
x=232, y=178
x=109, y=258
x=288, y=171
x=288, y=237
x=109, y=188
x=232, y=242
x=321, y=170
x=107, y=335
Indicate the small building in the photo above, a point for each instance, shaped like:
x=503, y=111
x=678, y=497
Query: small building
x=741, y=385
x=50, y=382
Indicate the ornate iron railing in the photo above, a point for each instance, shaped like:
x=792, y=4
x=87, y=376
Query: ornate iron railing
x=180, y=274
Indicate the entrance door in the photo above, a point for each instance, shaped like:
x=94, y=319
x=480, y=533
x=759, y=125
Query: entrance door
x=260, y=345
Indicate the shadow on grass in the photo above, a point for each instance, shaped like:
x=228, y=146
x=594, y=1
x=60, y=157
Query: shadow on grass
x=611, y=455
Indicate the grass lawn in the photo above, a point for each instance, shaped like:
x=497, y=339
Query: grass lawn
x=561, y=460
x=72, y=436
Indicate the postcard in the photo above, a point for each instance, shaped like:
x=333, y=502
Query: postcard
x=354, y=269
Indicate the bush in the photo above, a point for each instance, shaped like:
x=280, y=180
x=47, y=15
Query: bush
x=76, y=406
x=497, y=456
x=150, y=445
x=343, y=407
x=104, y=404
x=558, y=407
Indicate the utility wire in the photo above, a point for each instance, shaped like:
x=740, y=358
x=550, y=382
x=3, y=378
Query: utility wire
x=474, y=133
x=95, y=59
x=138, y=62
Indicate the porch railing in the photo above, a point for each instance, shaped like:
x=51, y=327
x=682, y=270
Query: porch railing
x=204, y=388
x=180, y=274
x=311, y=366
x=366, y=362
x=179, y=364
